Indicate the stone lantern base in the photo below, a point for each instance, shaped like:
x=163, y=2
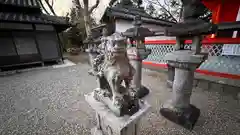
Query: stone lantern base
x=179, y=109
x=186, y=117
x=142, y=92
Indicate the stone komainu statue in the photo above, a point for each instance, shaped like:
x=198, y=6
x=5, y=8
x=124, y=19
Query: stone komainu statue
x=113, y=67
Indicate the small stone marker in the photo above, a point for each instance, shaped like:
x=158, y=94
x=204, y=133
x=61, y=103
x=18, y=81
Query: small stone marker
x=138, y=53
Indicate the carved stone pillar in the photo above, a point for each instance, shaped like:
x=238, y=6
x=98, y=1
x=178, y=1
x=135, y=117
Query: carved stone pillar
x=93, y=47
x=138, y=53
x=136, y=56
x=92, y=53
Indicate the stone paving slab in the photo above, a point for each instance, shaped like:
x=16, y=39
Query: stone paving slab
x=51, y=102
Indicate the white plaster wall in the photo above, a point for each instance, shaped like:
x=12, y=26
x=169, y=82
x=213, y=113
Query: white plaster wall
x=123, y=25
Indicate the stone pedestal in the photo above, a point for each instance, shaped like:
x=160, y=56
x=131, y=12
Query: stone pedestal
x=179, y=109
x=109, y=124
x=136, y=56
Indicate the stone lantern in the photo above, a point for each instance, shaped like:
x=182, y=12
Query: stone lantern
x=138, y=52
x=184, y=63
x=92, y=42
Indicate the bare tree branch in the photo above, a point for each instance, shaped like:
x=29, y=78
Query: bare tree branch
x=94, y=6
x=163, y=7
x=85, y=2
x=50, y=7
x=167, y=11
x=52, y=3
x=42, y=6
x=85, y=8
x=166, y=3
x=79, y=8
x=181, y=13
x=84, y=14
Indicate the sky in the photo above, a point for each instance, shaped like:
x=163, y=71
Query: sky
x=62, y=7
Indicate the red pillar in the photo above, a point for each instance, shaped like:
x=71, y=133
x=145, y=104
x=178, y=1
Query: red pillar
x=223, y=11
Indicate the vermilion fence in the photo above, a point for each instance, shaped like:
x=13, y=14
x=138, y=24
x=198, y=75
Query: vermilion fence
x=218, y=63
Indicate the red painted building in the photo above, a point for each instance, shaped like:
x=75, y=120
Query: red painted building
x=223, y=47
x=224, y=11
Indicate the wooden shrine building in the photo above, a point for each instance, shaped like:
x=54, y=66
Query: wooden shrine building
x=27, y=35
x=119, y=17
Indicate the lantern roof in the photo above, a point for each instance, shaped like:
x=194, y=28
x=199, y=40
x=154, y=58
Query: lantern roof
x=29, y=11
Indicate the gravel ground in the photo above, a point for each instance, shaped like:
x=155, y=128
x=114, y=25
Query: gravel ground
x=52, y=102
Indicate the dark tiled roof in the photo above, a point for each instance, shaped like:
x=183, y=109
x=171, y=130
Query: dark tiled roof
x=23, y=3
x=26, y=18
x=144, y=19
x=192, y=28
x=128, y=12
x=143, y=32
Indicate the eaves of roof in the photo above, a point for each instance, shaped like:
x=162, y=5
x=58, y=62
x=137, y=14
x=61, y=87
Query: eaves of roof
x=21, y=3
x=32, y=18
x=130, y=13
x=145, y=19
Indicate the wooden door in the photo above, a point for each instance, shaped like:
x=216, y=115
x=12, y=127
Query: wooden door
x=48, y=45
x=26, y=47
x=8, y=53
